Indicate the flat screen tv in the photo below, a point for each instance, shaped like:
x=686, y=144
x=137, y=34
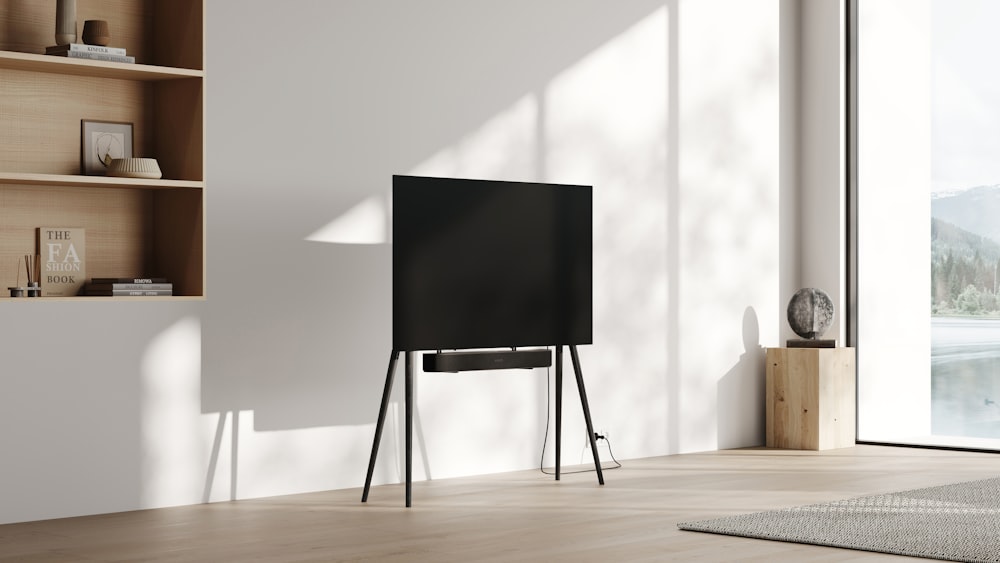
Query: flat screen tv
x=490, y=264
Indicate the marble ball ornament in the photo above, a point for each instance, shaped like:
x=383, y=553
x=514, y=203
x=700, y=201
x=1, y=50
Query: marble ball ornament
x=810, y=312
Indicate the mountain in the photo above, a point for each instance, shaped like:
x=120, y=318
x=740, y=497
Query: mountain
x=976, y=210
x=964, y=270
x=947, y=238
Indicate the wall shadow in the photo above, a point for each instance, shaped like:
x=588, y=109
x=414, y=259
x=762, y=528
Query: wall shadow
x=740, y=392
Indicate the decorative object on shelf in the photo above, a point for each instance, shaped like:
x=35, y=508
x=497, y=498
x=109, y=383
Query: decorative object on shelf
x=101, y=142
x=63, y=260
x=32, y=267
x=84, y=48
x=130, y=287
x=32, y=263
x=95, y=57
x=810, y=314
x=65, y=22
x=135, y=168
x=96, y=32
x=92, y=52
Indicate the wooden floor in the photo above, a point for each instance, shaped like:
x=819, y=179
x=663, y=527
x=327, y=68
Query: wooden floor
x=522, y=516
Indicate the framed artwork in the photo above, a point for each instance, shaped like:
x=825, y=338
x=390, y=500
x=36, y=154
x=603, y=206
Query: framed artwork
x=101, y=141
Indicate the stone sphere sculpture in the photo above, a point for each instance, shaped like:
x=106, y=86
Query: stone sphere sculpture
x=810, y=312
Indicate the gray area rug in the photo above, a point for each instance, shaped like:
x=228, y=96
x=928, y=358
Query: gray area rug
x=959, y=522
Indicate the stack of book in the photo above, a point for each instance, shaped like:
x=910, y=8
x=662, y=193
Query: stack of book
x=92, y=52
x=128, y=287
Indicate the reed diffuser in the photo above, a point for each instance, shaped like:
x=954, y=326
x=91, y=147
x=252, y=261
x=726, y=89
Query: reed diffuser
x=33, y=264
x=33, y=268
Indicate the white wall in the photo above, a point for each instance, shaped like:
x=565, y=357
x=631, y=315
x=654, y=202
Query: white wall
x=822, y=155
x=724, y=272
x=670, y=108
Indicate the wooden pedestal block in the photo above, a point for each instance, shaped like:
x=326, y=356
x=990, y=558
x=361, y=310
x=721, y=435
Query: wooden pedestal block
x=810, y=395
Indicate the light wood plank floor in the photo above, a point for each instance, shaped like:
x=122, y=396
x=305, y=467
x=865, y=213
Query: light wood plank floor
x=521, y=516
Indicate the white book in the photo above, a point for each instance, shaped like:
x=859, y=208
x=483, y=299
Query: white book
x=96, y=56
x=84, y=48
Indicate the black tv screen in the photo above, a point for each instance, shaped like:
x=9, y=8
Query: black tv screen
x=490, y=264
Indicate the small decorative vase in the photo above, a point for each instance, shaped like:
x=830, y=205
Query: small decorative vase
x=96, y=32
x=65, y=22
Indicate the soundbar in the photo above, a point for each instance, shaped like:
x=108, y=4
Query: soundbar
x=489, y=359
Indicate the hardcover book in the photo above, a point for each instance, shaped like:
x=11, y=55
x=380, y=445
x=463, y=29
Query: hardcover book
x=128, y=292
x=83, y=48
x=129, y=286
x=63, y=252
x=95, y=56
x=128, y=280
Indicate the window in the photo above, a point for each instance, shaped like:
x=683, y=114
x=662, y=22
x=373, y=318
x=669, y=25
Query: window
x=925, y=174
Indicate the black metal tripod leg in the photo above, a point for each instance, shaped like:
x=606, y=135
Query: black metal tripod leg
x=586, y=411
x=559, y=376
x=381, y=421
x=409, y=425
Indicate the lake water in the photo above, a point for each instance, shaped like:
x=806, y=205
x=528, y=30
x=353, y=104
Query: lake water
x=965, y=377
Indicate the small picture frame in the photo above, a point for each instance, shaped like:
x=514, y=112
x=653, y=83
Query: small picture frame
x=101, y=141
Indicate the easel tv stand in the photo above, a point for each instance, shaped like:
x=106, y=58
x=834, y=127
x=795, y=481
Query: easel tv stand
x=473, y=363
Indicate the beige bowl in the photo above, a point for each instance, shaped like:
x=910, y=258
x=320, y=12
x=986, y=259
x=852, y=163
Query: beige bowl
x=135, y=168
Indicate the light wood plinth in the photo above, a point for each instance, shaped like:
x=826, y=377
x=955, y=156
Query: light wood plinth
x=810, y=394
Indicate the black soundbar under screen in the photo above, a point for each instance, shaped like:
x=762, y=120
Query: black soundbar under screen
x=488, y=264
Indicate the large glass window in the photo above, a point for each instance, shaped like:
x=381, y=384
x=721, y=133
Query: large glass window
x=926, y=192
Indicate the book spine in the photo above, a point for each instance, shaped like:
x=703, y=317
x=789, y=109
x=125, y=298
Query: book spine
x=130, y=293
x=84, y=48
x=129, y=286
x=127, y=280
x=97, y=57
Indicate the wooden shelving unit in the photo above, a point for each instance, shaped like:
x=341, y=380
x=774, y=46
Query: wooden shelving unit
x=134, y=226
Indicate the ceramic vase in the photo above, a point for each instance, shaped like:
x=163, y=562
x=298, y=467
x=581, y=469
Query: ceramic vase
x=96, y=32
x=65, y=22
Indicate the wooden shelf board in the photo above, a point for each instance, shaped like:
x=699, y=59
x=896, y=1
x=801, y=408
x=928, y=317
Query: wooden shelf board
x=6, y=299
x=93, y=181
x=99, y=69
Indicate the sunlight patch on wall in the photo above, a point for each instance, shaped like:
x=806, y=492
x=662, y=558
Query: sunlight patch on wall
x=266, y=459
x=173, y=428
x=606, y=124
x=365, y=223
x=606, y=116
x=502, y=148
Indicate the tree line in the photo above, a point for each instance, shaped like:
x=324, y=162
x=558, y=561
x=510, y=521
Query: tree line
x=964, y=272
